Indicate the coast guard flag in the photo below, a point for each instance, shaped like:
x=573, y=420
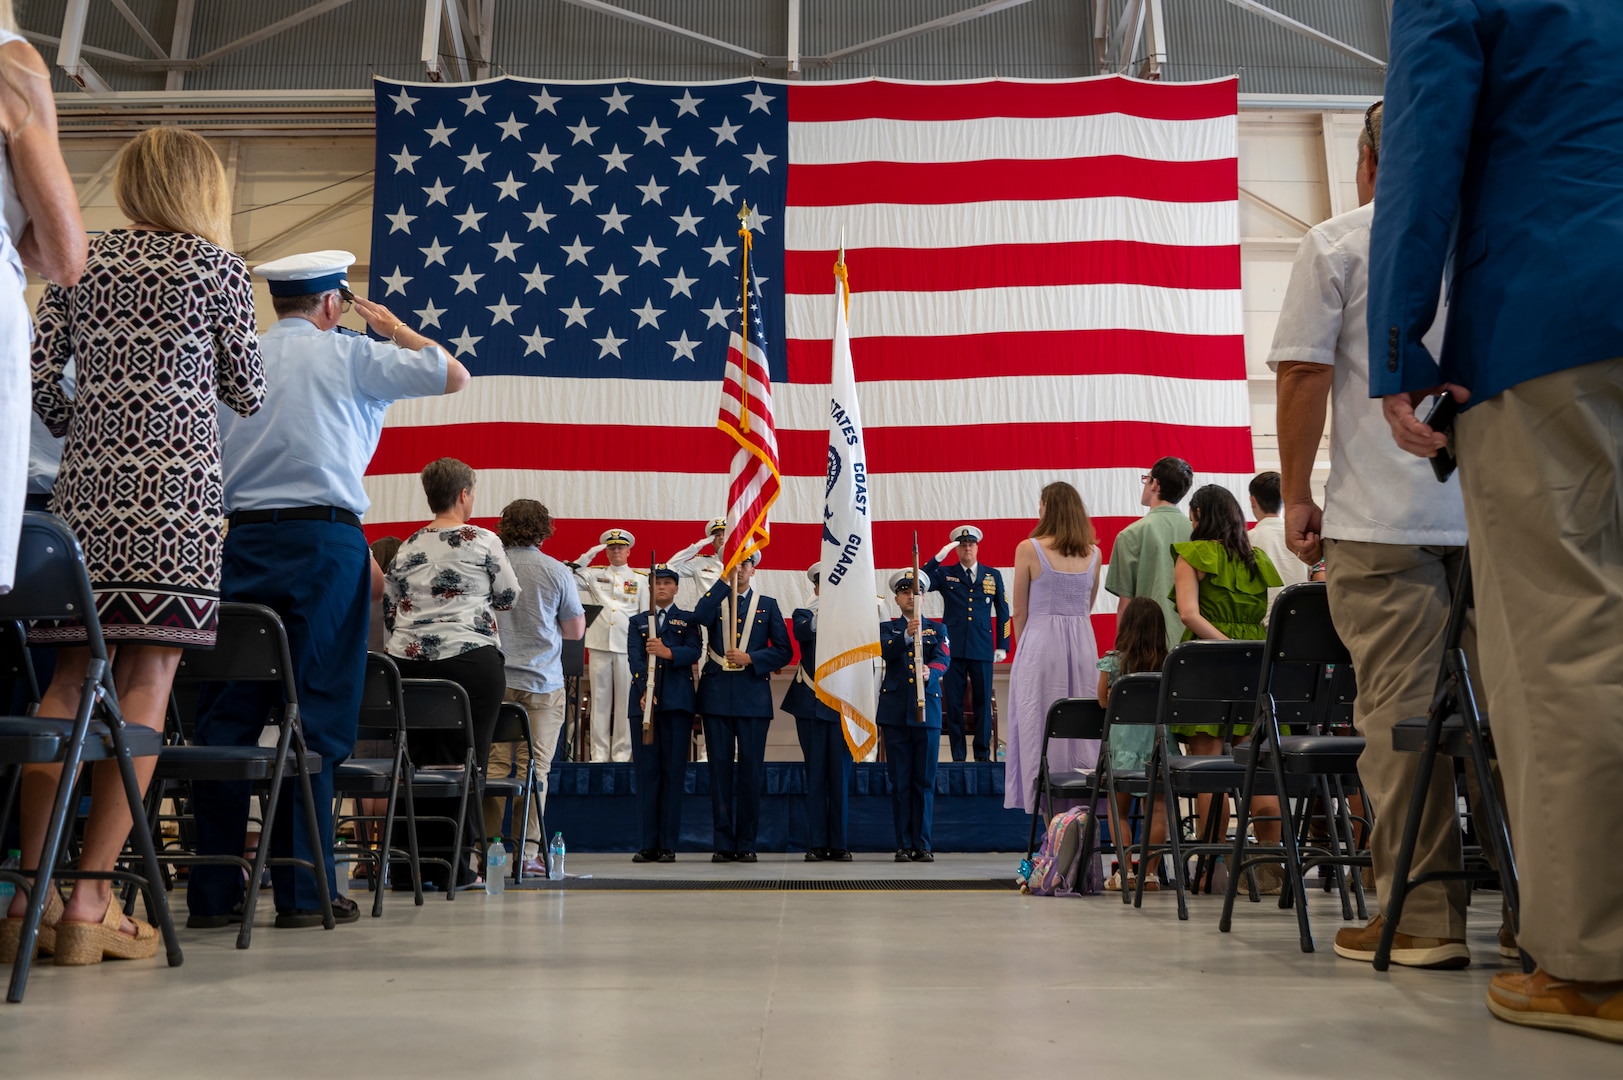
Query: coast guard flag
x=847, y=615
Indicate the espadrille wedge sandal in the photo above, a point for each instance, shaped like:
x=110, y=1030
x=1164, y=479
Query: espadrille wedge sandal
x=79, y=943
x=11, y=931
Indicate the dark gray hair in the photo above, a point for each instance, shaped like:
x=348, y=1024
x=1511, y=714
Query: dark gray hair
x=444, y=481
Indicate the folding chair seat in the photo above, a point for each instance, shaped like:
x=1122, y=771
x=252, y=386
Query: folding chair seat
x=1067, y=718
x=51, y=583
x=381, y=720
x=440, y=709
x=250, y=647
x=513, y=726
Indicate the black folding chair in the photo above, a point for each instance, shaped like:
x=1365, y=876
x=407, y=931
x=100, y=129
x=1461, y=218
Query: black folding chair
x=1068, y=718
x=19, y=692
x=513, y=726
x=250, y=646
x=1302, y=645
x=51, y=583
x=382, y=718
x=1135, y=701
x=440, y=706
x=1456, y=727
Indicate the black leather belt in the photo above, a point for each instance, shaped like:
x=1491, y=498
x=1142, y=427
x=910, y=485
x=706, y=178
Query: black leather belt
x=296, y=513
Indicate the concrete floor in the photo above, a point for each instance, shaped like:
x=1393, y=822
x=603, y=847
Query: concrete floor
x=828, y=985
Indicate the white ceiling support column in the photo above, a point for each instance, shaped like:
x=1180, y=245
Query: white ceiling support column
x=1156, y=36
x=433, y=11
x=602, y=7
x=68, y=53
x=1101, y=35
x=955, y=19
x=1129, y=32
x=455, y=17
x=180, y=43
x=1335, y=173
x=1263, y=11
x=487, y=31
x=794, y=39
x=140, y=29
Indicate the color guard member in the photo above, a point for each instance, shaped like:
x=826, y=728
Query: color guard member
x=661, y=765
x=911, y=747
x=822, y=742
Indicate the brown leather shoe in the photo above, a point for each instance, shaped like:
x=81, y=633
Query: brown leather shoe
x=1507, y=943
x=1544, y=1001
x=1359, y=943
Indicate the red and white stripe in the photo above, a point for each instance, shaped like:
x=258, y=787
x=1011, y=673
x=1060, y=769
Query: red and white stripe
x=746, y=416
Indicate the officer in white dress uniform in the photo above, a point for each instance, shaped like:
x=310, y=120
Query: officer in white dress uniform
x=621, y=592
x=699, y=572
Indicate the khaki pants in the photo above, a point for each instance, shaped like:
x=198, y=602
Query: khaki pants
x=546, y=720
x=1390, y=606
x=1539, y=465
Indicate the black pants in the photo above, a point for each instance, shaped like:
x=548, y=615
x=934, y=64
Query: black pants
x=480, y=673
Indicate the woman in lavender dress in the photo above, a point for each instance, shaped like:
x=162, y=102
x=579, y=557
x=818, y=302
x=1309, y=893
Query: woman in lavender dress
x=1055, y=581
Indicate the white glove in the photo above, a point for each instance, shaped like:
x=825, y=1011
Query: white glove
x=999, y=655
x=944, y=552
x=590, y=554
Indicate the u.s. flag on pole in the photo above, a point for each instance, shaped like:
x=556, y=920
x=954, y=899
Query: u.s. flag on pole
x=746, y=417
x=1047, y=286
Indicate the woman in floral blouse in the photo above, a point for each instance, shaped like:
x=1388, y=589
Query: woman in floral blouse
x=440, y=598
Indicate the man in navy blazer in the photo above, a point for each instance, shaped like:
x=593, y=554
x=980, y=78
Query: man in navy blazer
x=661, y=766
x=822, y=743
x=1502, y=159
x=912, y=747
x=735, y=698
x=975, y=609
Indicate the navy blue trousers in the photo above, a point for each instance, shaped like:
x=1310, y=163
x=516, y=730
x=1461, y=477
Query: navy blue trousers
x=978, y=674
x=911, y=753
x=828, y=782
x=317, y=576
x=735, y=787
x=661, y=771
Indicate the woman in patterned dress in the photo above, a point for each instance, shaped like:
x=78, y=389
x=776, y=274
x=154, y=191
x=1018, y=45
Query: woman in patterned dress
x=161, y=323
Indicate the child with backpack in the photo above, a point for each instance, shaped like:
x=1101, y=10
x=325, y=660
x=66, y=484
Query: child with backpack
x=1141, y=645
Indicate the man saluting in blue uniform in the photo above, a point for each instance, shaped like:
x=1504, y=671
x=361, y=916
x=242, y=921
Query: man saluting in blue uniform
x=661, y=764
x=735, y=698
x=975, y=610
x=822, y=742
x=294, y=498
x=911, y=747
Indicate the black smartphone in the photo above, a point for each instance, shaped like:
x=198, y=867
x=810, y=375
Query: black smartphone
x=1441, y=419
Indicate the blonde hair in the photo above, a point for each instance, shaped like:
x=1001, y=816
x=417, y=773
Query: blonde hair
x=8, y=16
x=170, y=177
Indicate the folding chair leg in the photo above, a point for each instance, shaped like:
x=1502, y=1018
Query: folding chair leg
x=416, y=863
x=461, y=827
x=1493, y=813
x=383, y=849
x=1294, y=889
x=1393, y=904
x=318, y=866
x=157, y=902
x=1332, y=828
x=1242, y=822
x=1173, y=841
x=1350, y=838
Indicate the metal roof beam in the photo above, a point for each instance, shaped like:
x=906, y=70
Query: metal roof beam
x=321, y=7
x=454, y=19
x=1263, y=11
x=140, y=29
x=87, y=50
x=433, y=13
x=955, y=19
x=794, y=39
x=604, y=8
x=180, y=43
x=68, y=53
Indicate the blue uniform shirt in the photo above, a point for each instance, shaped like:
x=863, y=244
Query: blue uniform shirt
x=898, y=698
x=325, y=397
x=974, y=608
x=802, y=701
x=673, y=678
x=746, y=693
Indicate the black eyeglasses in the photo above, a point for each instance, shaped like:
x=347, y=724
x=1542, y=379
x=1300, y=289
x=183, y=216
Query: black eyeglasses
x=1369, y=131
x=346, y=300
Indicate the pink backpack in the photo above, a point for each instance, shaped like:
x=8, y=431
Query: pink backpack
x=1057, y=869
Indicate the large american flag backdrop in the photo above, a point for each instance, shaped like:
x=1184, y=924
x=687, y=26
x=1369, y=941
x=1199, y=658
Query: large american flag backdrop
x=1045, y=285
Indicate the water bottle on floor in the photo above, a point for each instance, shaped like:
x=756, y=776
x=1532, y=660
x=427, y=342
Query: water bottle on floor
x=555, y=858
x=495, y=867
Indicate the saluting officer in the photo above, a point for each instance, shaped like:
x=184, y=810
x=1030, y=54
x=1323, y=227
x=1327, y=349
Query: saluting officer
x=294, y=497
x=661, y=765
x=911, y=747
x=618, y=590
x=735, y=699
x=975, y=610
x=699, y=572
x=822, y=742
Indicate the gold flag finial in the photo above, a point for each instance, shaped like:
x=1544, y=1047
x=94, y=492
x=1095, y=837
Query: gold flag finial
x=744, y=212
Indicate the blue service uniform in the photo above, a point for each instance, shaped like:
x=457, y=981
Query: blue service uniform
x=737, y=710
x=305, y=451
x=662, y=765
x=822, y=742
x=975, y=610
x=911, y=748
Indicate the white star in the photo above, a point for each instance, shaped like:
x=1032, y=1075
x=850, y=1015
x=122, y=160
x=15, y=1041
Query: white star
x=681, y=283
x=437, y=193
x=511, y=126
x=723, y=190
x=539, y=218
x=474, y=102
x=576, y=252
x=501, y=311
x=651, y=191
x=396, y=282
x=653, y=133
x=535, y=280
x=648, y=315
x=434, y=253
x=469, y=219
x=689, y=162
x=618, y=101
x=687, y=222
x=466, y=342
x=758, y=282
x=649, y=253
x=718, y=252
x=400, y=221
x=403, y=160
x=575, y=314
x=429, y=314
x=615, y=159
x=508, y=188
x=683, y=347
x=727, y=131
x=756, y=222
x=610, y=281
x=581, y=191
x=687, y=103
x=759, y=159
x=505, y=248
x=544, y=102
x=608, y=343
x=473, y=159
x=403, y=102
x=535, y=343
x=759, y=100
x=613, y=220
x=717, y=314
x=439, y=133
x=466, y=280
x=582, y=133
x=544, y=160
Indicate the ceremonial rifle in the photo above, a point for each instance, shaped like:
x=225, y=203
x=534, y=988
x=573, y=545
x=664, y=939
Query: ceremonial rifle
x=653, y=661
x=918, y=639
